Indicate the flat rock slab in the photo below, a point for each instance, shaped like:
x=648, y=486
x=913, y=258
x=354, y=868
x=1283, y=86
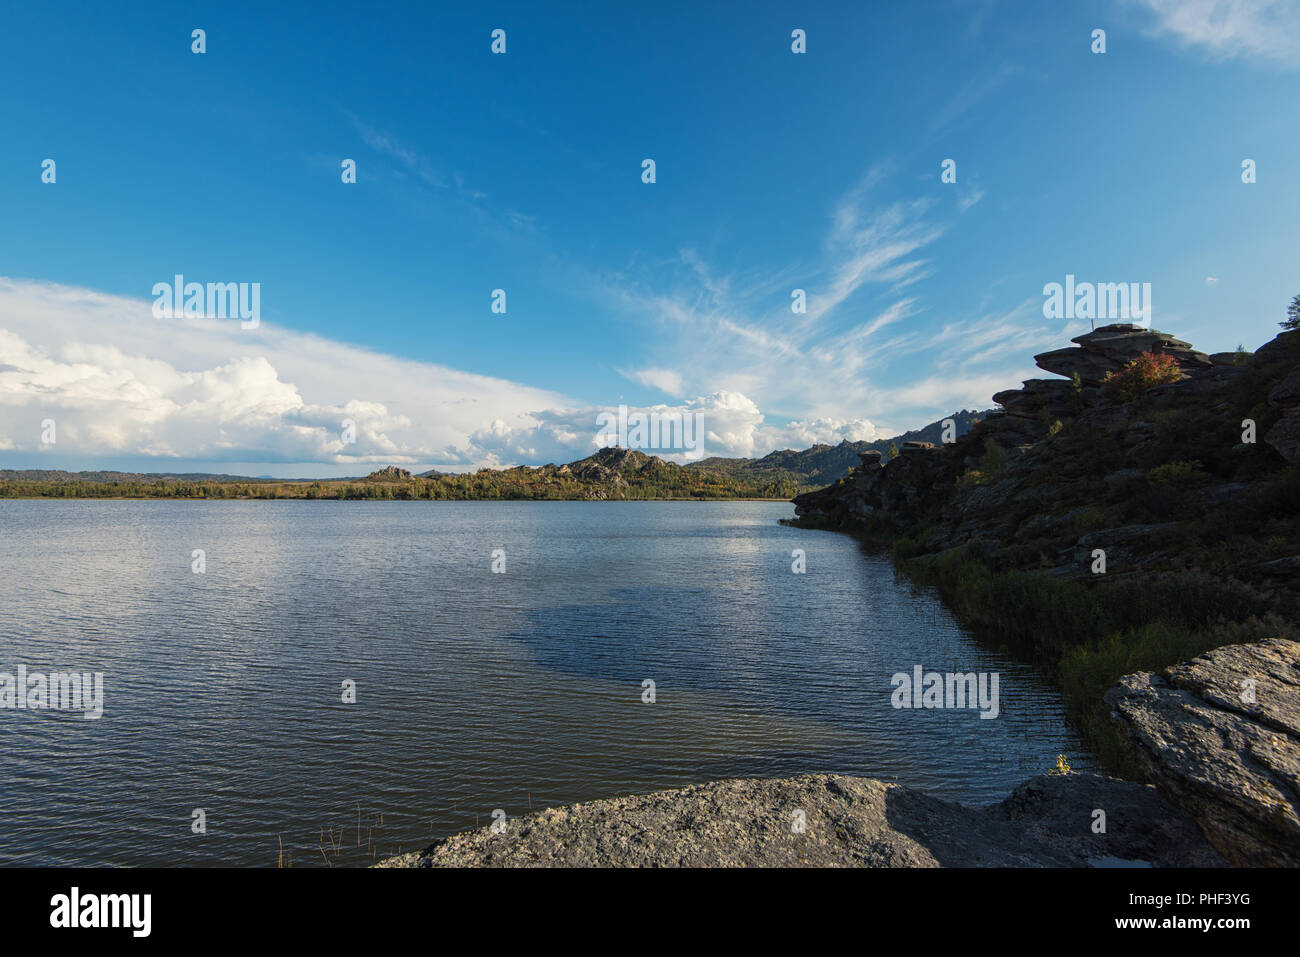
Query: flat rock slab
x=1219, y=736
x=847, y=822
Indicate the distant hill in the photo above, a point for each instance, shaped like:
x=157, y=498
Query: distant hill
x=59, y=475
x=609, y=474
x=824, y=464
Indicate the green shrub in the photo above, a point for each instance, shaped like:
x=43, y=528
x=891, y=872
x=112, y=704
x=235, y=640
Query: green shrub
x=1145, y=372
x=1181, y=473
x=994, y=461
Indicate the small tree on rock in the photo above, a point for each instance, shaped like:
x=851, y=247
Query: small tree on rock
x=1292, y=320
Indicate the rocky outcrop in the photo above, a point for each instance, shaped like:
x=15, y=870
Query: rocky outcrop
x=1055, y=395
x=1027, y=416
x=1219, y=737
x=1285, y=437
x=830, y=820
x=390, y=473
x=1124, y=342
x=1076, y=468
x=1091, y=368
x=1285, y=433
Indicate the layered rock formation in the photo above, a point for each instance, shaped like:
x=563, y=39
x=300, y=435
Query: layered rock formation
x=1108, y=348
x=1074, y=468
x=390, y=473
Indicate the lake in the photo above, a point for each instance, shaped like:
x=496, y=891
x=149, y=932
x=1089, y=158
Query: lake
x=475, y=689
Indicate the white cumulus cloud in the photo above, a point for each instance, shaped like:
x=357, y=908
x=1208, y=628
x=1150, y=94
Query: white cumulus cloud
x=120, y=383
x=117, y=381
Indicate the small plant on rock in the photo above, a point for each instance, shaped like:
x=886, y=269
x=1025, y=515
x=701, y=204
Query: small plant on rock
x=1182, y=474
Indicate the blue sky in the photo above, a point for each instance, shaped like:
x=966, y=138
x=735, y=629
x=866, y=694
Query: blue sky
x=522, y=172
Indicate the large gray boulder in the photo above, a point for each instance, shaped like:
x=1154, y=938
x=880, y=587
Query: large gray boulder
x=1285, y=396
x=1284, y=436
x=1219, y=737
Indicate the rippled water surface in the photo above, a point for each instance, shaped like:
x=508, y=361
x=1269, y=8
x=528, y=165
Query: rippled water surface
x=475, y=691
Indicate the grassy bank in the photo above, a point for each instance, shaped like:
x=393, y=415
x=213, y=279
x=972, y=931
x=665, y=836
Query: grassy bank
x=1085, y=636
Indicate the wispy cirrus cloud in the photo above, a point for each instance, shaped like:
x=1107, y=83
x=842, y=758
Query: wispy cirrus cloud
x=865, y=303
x=1226, y=29
x=877, y=246
x=385, y=143
x=978, y=88
x=665, y=380
x=969, y=198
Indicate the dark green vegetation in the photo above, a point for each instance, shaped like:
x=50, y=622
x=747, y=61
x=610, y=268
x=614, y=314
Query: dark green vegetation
x=1196, y=512
x=611, y=473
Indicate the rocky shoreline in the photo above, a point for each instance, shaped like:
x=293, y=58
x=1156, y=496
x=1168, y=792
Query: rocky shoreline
x=846, y=822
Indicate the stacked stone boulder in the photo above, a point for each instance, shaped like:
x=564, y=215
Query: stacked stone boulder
x=1097, y=354
x=1108, y=348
